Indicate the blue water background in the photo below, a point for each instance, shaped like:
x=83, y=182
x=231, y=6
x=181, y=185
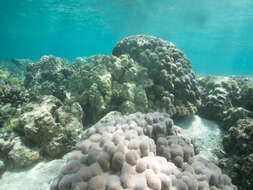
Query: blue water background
x=216, y=35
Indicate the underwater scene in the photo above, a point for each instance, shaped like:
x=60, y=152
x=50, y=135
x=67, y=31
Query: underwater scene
x=126, y=95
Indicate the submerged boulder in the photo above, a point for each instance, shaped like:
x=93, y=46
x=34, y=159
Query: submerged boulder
x=52, y=126
x=21, y=155
x=16, y=153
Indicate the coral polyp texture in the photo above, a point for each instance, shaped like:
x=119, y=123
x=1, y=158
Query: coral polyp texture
x=109, y=83
x=139, y=151
x=174, y=81
x=218, y=95
x=229, y=101
x=48, y=76
x=143, y=74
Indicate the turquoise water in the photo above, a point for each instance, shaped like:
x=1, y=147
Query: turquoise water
x=217, y=35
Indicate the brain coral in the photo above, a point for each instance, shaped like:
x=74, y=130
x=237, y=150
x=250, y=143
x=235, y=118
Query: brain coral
x=174, y=90
x=124, y=154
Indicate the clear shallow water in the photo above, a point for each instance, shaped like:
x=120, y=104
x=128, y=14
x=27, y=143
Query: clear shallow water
x=216, y=35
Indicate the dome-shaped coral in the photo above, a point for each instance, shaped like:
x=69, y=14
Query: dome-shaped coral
x=120, y=154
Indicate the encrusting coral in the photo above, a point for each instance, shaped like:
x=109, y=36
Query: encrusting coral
x=127, y=153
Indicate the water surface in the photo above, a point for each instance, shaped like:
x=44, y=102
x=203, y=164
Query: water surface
x=216, y=35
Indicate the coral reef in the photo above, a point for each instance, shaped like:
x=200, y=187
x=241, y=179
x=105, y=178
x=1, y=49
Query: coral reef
x=241, y=135
x=51, y=125
x=174, y=90
x=238, y=143
x=246, y=95
x=21, y=155
x=15, y=153
x=109, y=83
x=218, y=94
x=79, y=61
x=45, y=128
x=124, y=153
x=45, y=117
x=154, y=76
x=12, y=96
x=229, y=101
x=49, y=76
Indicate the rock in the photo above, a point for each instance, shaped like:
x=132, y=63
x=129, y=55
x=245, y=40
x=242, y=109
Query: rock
x=22, y=156
x=52, y=126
